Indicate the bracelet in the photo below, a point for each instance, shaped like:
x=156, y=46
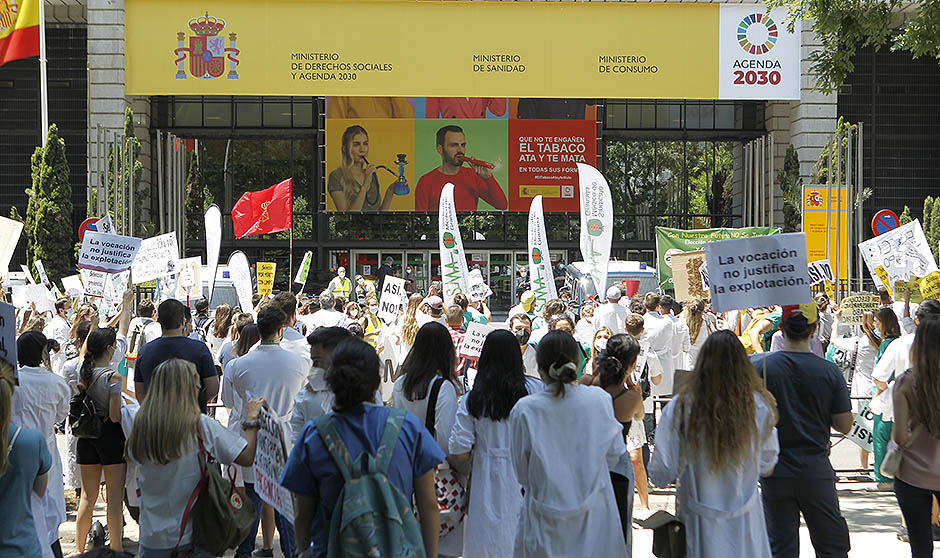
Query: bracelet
x=251, y=424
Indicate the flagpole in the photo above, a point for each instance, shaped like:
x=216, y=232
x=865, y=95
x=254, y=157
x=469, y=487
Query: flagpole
x=291, y=256
x=43, y=82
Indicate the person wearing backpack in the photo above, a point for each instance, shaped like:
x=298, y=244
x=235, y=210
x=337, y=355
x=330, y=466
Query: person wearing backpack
x=331, y=451
x=164, y=443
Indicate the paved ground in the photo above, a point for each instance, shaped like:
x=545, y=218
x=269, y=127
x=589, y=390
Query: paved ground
x=872, y=517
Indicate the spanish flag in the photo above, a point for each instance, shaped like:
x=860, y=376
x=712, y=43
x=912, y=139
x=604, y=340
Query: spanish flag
x=19, y=29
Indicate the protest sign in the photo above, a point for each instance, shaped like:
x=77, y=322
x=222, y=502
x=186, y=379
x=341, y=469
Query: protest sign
x=265, y=275
x=304, y=268
x=240, y=272
x=188, y=280
x=883, y=277
x=477, y=287
x=854, y=307
x=820, y=271
x=73, y=285
x=930, y=286
x=155, y=258
x=392, y=299
x=473, y=340
x=28, y=274
x=687, y=276
x=41, y=297
x=830, y=289
x=902, y=252
x=901, y=286
x=105, y=224
x=760, y=271
x=862, y=428
x=10, y=231
x=110, y=253
x=18, y=296
x=8, y=334
x=95, y=282
x=676, y=241
x=42, y=273
x=270, y=458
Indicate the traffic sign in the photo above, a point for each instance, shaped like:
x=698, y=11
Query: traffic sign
x=884, y=221
x=89, y=224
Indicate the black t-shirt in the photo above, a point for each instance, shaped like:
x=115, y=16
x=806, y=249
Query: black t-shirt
x=808, y=390
x=162, y=349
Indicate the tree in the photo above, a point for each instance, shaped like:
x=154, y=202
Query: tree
x=49, y=211
x=133, y=170
x=843, y=27
x=905, y=217
x=195, y=199
x=934, y=234
x=790, y=184
x=928, y=211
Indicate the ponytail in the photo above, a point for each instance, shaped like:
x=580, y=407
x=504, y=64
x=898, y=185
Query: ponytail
x=615, y=361
x=6, y=402
x=557, y=359
x=96, y=344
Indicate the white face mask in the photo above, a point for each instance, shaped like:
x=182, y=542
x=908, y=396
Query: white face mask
x=353, y=313
x=341, y=274
x=600, y=344
x=373, y=309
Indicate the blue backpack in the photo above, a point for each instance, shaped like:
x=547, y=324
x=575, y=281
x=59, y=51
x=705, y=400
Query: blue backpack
x=372, y=517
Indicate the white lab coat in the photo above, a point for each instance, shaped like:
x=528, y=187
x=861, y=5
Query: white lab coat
x=722, y=512
x=496, y=497
x=40, y=402
x=659, y=332
x=569, y=507
x=59, y=329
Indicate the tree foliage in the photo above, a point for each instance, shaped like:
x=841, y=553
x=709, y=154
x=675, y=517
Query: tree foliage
x=48, y=224
x=195, y=199
x=905, y=216
x=844, y=26
x=934, y=234
x=790, y=184
x=927, y=215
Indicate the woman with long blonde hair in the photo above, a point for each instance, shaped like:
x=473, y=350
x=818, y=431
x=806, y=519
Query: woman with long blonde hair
x=699, y=328
x=409, y=326
x=598, y=344
x=354, y=185
x=168, y=435
x=718, y=436
x=24, y=462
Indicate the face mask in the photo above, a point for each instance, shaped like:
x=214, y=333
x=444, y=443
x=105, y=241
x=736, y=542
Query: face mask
x=600, y=344
x=341, y=274
x=373, y=309
x=522, y=336
x=69, y=313
x=353, y=313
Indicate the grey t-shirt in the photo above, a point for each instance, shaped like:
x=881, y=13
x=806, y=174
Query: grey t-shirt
x=373, y=201
x=100, y=391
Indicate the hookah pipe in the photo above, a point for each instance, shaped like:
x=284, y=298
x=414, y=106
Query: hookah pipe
x=472, y=161
x=401, y=186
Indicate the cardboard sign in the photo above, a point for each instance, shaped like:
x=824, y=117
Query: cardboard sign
x=73, y=285
x=188, y=280
x=42, y=273
x=41, y=297
x=882, y=276
x=304, y=268
x=265, y=275
x=820, y=271
x=10, y=232
x=687, y=276
x=392, y=300
x=8, y=334
x=760, y=271
x=270, y=458
x=473, y=340
x=854, y=308
x=930, y=286
x=95, y=282
x=862, y=428
x=110, y=253
x=155, y=258
x=901, y=286
x=18, y=296
x=477, y=287
x=902, y=252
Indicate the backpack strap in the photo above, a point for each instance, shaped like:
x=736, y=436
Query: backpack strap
x=17, y=434
x=334, y=444
x=396, y=417
x=430, y=416
x=203, y=468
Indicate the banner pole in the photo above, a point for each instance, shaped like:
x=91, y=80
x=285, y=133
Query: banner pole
x=290, y=256
x=43, y=85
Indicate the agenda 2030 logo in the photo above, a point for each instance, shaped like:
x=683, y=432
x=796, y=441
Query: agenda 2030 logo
x=207, y=50
x=757, y=34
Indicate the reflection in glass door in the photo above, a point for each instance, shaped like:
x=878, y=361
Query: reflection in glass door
x=500, y=281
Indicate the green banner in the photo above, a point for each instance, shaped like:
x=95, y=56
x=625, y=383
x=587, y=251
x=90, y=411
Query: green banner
x=671, y=241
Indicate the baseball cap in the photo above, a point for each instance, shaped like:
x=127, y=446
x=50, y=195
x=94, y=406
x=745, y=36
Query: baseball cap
x=613, y=292
x=800, y=313
x=434, y=302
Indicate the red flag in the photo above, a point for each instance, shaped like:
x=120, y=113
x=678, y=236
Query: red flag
x=267, y=211
x=19, y=30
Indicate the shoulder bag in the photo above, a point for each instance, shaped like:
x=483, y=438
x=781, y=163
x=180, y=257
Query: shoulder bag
x=892, y=459
x=84, y=421
x=451, y=495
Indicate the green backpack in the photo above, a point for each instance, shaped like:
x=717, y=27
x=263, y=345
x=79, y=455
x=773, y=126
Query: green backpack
x=372, y=517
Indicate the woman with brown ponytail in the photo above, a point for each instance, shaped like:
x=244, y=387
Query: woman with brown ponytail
x=24, y=462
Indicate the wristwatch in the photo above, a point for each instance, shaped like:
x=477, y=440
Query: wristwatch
x=251, y=424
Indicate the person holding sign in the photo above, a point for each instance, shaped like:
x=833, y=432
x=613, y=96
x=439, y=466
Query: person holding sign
x=165, y=441
x=482, y=423
x=721, y=423
x=811, y=398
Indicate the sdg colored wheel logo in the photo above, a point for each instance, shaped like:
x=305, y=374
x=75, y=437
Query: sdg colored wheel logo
x=757, y=34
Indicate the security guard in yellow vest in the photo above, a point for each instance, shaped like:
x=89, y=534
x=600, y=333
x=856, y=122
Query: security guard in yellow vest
x=340, y=286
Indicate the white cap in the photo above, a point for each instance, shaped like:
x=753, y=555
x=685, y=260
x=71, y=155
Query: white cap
x=613, y=292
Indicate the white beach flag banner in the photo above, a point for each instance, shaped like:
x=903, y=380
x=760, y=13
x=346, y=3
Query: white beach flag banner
x=240, y=273
x=454, y=271
x=213, y=243
x=597, y=220
x=540, y=262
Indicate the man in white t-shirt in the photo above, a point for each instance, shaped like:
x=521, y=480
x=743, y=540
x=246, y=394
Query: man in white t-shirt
x=521, y=326
x=612, y=314
x=326, y=316
x=292, y=340
x=276, y=375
